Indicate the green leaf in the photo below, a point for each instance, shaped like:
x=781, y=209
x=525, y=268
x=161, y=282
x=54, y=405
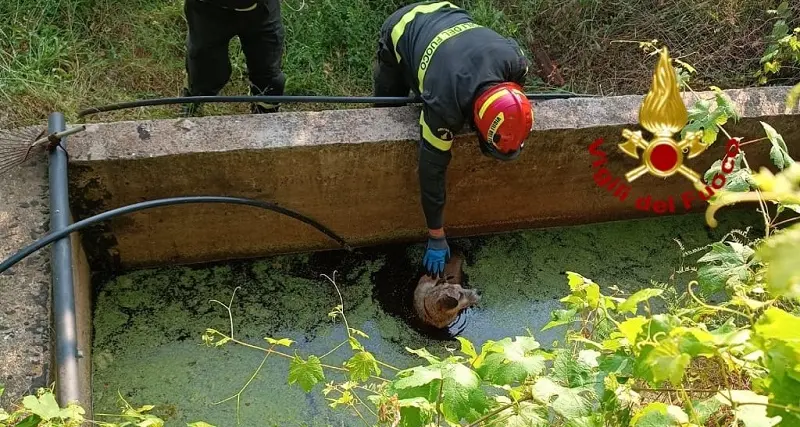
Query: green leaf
x=750, y=415
x=306, y=373
x=524, y=414
x=200, y=424
x=723, y=262
x=793, y=99
x=706, y=408
x=425, y=354
x=561, y=317
x=588, y=358
x=569, y=402
x=631, y=303
x=468, y=349
x=658, y=414
x=663, y=361
x=418, y=376
x=286, y=342
x=2, y=390
x=631, y=328
x=779, y=153
x=462, y=396
x=362, y=365
x=44, y=406
x=30, y=421
x=618, y=364
x=507, y=362
x=779, y=252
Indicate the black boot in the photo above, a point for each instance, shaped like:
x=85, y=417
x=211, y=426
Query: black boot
x=274, y=88
x=190, y=110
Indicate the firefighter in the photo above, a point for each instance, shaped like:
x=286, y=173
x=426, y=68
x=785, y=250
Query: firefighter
x=465, y=74
x=212, y=24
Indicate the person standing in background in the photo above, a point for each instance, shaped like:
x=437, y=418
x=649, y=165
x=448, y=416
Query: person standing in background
x=211, y=26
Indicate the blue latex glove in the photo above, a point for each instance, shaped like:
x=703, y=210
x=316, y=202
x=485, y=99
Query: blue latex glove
x=436, y=254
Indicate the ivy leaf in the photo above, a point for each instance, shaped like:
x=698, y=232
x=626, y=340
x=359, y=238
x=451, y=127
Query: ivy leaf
x=44, y=406
x=658, y=414
x=569, y=402
x=306, y=373
x=779, y=252
x=663, y=361
x=362, y=365
x=507, y=362
x=723, y=262
x=468, y=349
x=750, y=415
x=631, y=303
x=418, y=376
x=286, y=342
x=779, y=153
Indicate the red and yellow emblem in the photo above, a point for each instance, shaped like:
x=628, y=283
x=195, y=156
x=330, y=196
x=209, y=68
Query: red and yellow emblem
x=663, y=113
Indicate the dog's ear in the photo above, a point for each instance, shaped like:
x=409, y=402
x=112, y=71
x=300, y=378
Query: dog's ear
x=448, y=302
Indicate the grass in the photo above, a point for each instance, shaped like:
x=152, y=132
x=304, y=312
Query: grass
x=67, y=55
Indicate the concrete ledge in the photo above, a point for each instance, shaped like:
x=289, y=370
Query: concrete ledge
x=25, y=288
x=355, y=172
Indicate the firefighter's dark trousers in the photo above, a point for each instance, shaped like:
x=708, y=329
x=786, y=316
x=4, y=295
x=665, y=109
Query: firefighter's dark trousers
x=211, y=29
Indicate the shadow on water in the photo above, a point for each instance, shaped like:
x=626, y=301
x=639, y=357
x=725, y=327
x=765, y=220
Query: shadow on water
x=148, y=323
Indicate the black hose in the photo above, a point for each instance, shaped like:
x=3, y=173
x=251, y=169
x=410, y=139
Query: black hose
x=51, y=237
x=397, y=100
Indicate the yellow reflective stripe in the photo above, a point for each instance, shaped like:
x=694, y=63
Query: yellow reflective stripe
x=400, y=27
x=430, y=137
x=489, y=102
x=435, y=43
x=247, y=9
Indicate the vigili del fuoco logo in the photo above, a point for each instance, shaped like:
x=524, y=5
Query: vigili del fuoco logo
x=663, y=114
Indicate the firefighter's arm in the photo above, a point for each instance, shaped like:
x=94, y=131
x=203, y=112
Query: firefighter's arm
x=434, y=157
x=519, y=65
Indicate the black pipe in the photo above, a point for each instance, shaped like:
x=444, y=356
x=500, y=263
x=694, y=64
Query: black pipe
x=58, y=234
x=397, y=100
x=64, y=317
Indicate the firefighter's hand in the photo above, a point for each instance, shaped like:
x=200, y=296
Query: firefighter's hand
x=436, y=254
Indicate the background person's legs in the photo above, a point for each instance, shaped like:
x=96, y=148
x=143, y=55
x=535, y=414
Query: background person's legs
x=387, y=76
x=208, y=67
x=263, y=43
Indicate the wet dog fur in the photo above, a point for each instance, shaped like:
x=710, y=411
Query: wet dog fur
x=438, y=302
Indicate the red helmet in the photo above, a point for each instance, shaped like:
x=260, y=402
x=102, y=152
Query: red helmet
x=503, y=117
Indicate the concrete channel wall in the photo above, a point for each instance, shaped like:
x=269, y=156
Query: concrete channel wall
x=355, y=172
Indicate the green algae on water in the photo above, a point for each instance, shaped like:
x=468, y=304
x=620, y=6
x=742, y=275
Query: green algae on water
x=148, y=323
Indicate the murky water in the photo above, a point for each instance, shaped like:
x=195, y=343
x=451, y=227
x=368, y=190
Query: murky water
x=148, y=323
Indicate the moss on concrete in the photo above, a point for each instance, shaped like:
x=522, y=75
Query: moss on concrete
x=148, y=323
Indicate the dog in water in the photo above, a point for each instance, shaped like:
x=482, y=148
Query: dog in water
x=439, y=301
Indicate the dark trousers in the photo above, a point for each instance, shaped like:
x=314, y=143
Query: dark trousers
x=211, y=29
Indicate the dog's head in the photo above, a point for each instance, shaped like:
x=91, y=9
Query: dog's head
x=451, y=298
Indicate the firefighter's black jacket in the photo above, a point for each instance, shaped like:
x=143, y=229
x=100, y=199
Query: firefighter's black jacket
x=447, y=60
